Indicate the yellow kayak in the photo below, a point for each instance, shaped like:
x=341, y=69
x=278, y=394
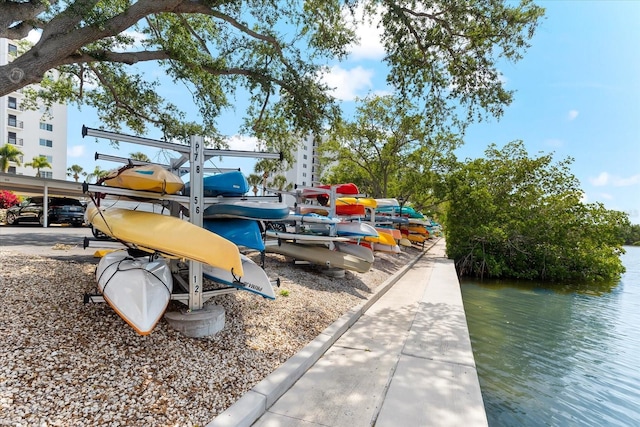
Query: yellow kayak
x=418, y=229
x=168, y=235
x=382, y=238
x=364, y=201
x=397, y=235
x=145, y=178
x=418, y=238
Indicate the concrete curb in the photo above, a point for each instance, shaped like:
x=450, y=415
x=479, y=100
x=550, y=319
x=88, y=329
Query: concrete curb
x=253, y=404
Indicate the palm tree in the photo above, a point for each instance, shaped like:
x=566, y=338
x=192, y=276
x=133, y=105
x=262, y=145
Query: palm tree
x=97, y=174
x=9, y=153
x=38, y=163
x=75, y=171
x=266, y=167
x=254, y=180
x=280, y=182
x=139, y=155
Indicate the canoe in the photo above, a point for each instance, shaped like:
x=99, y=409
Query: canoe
x=242, y=232
x=320, y=255
x=227, y=184
x=257, y=210
x=145, y=178
x=356, y=250
x=305, y=236
x=137, y=289
x=367, y=202
x=166, y=234
x=254, y=279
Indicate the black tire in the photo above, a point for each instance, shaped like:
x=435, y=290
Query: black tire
x=98, y=234
x=11, y=218
x=41, y=219
x=276, y=226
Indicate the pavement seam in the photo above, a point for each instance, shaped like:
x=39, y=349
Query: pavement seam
x=250, y=415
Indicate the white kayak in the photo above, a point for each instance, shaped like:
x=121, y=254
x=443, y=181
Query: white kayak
x=305, y=237
x=254, y=280
x=311, y=218
x=138, y=289
x=356, y=250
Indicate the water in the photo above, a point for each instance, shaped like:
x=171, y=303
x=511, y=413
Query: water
x=549, y=357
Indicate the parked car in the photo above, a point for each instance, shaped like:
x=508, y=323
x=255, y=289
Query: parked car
x=61, y=210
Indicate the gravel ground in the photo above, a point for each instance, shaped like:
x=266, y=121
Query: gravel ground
x=67, y=363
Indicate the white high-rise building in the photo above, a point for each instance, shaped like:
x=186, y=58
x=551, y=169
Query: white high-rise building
x=305, y=170
x=34, y=132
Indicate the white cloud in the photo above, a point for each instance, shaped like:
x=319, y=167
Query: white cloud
x=556, y=143
x=243, y=143
x=369, y=45
x=346, y=84
x=34, y=36
x=573, y=114
x=76, y=151
x=605, y=178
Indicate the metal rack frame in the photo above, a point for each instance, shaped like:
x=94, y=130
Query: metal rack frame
x=196, y=154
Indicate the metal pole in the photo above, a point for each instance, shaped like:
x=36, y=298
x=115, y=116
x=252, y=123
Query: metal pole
x=195, y=216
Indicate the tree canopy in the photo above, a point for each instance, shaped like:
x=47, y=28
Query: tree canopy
x=9, y=153
x=441, y=54
x=389, y=149
x=39, y=162
x=511, y=215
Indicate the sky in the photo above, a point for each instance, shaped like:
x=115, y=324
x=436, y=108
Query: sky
x=577, y=95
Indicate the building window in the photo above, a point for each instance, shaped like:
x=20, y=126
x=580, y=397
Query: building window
x=13, y=49
x=46, y=142
x=46, y=126
x=304, y=165
x=13, y=102
x=304, y=156
x=304, y=174
x=49, y=158
x=46, y=174
x=13, y=138
x=13, y=120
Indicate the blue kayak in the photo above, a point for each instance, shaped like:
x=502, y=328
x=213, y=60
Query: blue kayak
x=270, y=211
x=242, y=232
x=227, y=184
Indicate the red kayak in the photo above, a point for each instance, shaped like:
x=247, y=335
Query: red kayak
x=341, y=189
x=350, y=210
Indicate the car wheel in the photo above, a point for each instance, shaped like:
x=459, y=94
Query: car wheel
x=98, y=234
x=11, y=218
x=41, y=219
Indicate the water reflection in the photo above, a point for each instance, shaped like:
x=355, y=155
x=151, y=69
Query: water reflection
x=559, y=355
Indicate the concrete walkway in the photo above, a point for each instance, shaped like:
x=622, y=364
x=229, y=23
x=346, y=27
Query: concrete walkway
x=403, y=358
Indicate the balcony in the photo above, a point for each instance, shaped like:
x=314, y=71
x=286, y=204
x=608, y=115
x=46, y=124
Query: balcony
x=15, y=123
x=16, y=141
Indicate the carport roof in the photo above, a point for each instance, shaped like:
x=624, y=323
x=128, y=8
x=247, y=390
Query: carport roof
x=31, y=185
